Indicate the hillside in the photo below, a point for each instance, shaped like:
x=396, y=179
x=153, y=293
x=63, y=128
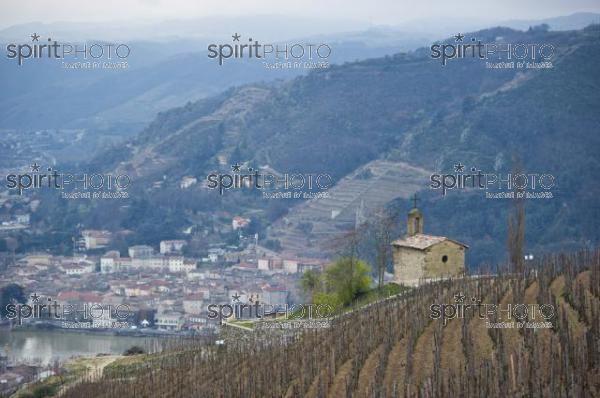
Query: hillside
x=394, y=348
x=406, y=108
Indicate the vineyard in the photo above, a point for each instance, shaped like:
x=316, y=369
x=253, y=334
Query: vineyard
x=393, y=348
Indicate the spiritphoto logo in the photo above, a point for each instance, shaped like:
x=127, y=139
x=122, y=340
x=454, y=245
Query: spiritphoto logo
x=88, y=55
x=513, y=315
x=273, y=186
x=256, y=310
x=274, y=56
x=83, y=314
x=499, y=55
x=71, y=185
x=497, y=185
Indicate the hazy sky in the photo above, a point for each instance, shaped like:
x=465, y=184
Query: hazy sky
x=374, y=11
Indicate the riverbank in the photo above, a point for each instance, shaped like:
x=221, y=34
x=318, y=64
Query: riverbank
x=145, y=332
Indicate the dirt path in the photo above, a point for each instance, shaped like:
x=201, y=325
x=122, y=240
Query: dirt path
x=95, y=369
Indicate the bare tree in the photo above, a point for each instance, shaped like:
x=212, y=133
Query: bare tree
x=348, y=244
x=516, y=222
x=383, y=225
x=370, y=240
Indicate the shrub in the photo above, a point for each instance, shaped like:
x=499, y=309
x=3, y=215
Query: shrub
x=134, y=350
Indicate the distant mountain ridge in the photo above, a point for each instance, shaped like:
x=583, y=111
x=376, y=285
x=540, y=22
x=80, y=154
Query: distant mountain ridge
x=169, y=70
x=161, y=75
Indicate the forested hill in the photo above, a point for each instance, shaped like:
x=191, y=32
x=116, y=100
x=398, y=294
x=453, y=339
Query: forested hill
x=410, y=108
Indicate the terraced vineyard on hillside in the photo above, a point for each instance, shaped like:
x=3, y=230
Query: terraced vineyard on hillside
x=394, y=348
x=362, y=191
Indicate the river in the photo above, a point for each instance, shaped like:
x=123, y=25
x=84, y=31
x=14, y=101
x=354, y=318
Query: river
x=40, y=346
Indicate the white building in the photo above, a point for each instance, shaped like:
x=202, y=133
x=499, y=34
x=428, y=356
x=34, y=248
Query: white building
x=270, y=264
x=78, y=269
x=168, y=321
x=174, y=263
x=171, y=246
x=187, y=182
x=94, y=239
x=110, y=262
x=140, y=251
x=137, y=290
x=72, y=269
x=154, y=262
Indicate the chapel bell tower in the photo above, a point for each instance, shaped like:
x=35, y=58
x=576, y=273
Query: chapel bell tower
x=414, y=223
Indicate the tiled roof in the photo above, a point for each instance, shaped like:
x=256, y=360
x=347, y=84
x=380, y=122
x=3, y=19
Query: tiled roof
x=422, y=241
